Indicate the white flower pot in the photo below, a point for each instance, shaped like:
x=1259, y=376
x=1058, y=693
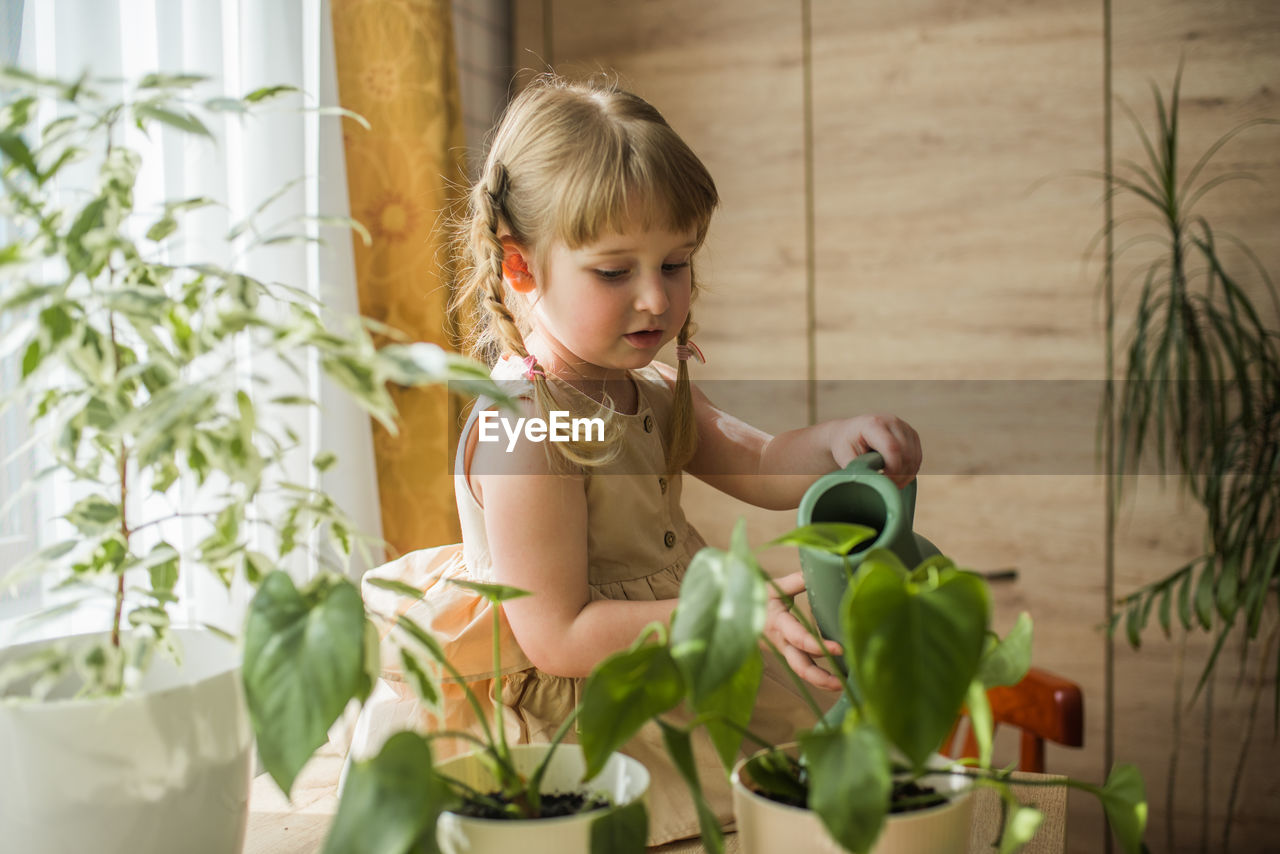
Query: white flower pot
x=160, y=770
x=766, y=826
x=623, y=781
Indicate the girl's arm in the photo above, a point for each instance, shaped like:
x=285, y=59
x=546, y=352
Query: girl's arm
x=536, y=523
x=774, y=471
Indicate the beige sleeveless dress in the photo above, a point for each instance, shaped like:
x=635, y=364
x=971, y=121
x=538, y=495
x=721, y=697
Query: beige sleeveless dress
x=638, y=547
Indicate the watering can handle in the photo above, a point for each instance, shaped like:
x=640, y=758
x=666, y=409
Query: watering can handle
x=872, y=461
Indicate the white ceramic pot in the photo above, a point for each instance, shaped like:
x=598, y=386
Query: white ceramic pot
x=161, y=770
x=623, y=781
x=766, y=826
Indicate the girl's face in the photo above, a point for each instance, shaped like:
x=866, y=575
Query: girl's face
x=611, y=304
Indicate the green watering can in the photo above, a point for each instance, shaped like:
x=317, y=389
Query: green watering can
x=861, y=495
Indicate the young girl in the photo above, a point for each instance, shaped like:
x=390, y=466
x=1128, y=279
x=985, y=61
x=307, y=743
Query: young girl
x=578, y=268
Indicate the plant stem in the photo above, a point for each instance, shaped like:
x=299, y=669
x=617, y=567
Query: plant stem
x=497, y=679
x=1170, y=793
x=124, y=479
x=796, y=680
x=1248, y=738
x=813, y=633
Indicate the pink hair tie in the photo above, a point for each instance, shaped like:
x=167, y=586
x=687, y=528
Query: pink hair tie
x=530, y=368
x=684, y=352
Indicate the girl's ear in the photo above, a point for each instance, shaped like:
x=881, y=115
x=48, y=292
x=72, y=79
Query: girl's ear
x=515, y=270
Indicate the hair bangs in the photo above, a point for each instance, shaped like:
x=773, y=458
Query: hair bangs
x=635, y=174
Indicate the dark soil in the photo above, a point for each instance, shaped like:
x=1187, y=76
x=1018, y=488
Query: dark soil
x=907, y=796
x=554, y=805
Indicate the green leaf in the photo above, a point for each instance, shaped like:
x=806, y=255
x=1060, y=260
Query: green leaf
x=1166, y=611
x=1204, y=596
x=303, y=662
x=837, y=538
x=1184, y=600
x=981, y=723
x=734, y=700
x=680, y=748
x=849, y=782
x=15, y=148
x=391, y=803
x=1019, y=828
x=32, y=358
x=267, y=92
x=149, y=615
x=324, y=460
x=1008, y=661
x=396, y=587
x=914, y=649
x=182, y=120
x=225, y=105
x=1124, y=800
x=621, y=694
x=162, y=228
x=93, y=514
x=1229, y=586
x=621, y=830
x=170, y=81
x=719, y=619
x=418, y=678
x=777, y=774
x=495, y=593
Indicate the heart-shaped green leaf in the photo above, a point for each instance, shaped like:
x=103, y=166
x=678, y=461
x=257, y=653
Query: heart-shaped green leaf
x=390, y=803
x=849, y=782
x=621, y=830
x=303, y=662
x=621, y=694
x=495, y=593
x=837, y=538
x=1009, y=659
x=914, y=648
x=734, y=701
x=1124, y=800
x=680, y=748
x=719, y=619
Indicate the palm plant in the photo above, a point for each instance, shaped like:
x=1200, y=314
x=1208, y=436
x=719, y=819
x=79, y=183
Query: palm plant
x=1201, y=398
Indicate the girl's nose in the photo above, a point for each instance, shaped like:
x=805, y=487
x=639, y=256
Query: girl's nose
x=652, y=295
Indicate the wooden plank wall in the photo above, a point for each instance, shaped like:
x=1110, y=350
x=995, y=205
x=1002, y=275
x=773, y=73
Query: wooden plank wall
x=948, y=248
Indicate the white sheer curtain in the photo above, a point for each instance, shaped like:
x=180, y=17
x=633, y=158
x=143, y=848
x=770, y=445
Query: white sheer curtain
x=241, y=45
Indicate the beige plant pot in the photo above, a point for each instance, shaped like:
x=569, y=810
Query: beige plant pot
x=164, y=769
x=767, y=827
x=623, y=781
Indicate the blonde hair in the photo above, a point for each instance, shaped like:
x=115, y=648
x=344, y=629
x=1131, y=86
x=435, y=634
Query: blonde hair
x=565, y=163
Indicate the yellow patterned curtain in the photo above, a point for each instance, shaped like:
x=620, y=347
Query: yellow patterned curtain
x=396, y=67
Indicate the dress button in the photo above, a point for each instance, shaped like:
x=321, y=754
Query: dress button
x=662, y=484
x=648, y=424
x=670, y=539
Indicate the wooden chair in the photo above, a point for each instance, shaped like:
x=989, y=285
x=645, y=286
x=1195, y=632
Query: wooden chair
x=1042, y=705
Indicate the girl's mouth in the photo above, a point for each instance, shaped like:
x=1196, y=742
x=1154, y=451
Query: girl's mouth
x=645, y=340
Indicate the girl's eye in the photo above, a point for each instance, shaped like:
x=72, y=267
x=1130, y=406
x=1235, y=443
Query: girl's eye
x=611, y=275
x=672, y=268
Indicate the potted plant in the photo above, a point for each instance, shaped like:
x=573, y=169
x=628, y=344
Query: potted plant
x=498, y=797
x=1200, y=397
x=139, y=737
x=918, y=650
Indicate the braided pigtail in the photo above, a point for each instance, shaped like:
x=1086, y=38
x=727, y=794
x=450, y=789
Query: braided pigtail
x=683, y=427
x=501, y=330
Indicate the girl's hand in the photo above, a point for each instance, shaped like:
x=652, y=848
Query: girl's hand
x=797, y=646
x=894, y=438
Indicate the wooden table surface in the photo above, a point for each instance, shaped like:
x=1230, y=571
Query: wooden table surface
x=277, y=826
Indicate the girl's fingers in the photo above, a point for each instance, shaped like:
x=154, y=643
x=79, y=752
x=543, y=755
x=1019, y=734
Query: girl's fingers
x=810, y=672
x=791, y=585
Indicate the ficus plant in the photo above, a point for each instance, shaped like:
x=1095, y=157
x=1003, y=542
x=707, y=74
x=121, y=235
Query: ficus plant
x=918, y=651
x=162, y=391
